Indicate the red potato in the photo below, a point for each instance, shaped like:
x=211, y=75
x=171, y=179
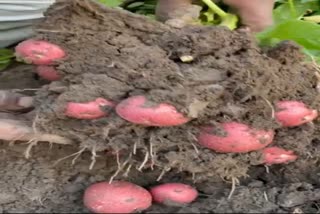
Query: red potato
x=117, y=197
x=294, y=113
x=276, y=155
x=174, y=194
x=89, y=110
x=48, y=73
x=239, y=138
x=38, y=52
x=138, y=110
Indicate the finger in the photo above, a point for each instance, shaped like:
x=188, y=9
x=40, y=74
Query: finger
x=15, y=130
x=10, y=101
x=256, y=14
x=12, y=130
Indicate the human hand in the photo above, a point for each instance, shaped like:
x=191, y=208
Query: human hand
x=255, y=14
x=16, y=118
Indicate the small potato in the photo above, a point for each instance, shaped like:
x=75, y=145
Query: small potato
x=90, y=110
x=174, y=194
x=116, y=197
x=240, y=138
x=276, y=155
x=294, y=113
x=139, y=110
x=48, y=73
x=38, y=52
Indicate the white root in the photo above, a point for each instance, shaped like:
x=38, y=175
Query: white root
x=93, y=158
x=267, y=169
x=31, y=143
x=195, y=148
x=118, y=159
x=119, y=169
x=194, y=177
x=271, y=107
x=76, y=154
x=152, y=154
x=134, y=148
x=146, y=157
x=126, y=174
x=163, y=172
x=265, y=196
x=235, y=182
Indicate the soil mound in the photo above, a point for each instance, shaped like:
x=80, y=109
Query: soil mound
x=115, y=54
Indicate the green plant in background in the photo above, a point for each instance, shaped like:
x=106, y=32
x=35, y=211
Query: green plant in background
x=228, y=20
x=6, y=57
x=111, y=3
x=295, y=20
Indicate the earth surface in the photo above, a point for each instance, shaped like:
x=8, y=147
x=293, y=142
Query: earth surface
x=115, y=54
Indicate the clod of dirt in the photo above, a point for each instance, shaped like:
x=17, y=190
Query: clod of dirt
x=115, y=54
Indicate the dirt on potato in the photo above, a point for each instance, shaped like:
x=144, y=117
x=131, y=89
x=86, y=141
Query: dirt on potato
x=114, y=54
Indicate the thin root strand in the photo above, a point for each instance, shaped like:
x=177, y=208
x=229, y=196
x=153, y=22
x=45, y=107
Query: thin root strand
x=146, y=157
x=235, y=181
x=119, y=169
x=76, y=154
x=31, y=143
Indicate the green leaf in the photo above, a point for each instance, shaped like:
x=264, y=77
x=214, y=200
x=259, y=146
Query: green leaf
x=111, y=3
x=304, y=33
x=283, y=12
x=6, y=57
x=230, y=21
x=306, y=1
x=6, y=54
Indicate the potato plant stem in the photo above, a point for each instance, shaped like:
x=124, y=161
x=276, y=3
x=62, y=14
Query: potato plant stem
x=292, y=8
x=215, y=8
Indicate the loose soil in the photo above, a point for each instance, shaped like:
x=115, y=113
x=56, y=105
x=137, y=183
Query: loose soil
x=115, y=54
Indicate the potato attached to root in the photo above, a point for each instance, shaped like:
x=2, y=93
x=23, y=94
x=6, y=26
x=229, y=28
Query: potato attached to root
x=294, y=113
x=139, y=110
x=48, y=73
x=38, y=52
x=276, y=155
x=174, y=194
x=116, y=197
x=238, y=138
x=90, y=110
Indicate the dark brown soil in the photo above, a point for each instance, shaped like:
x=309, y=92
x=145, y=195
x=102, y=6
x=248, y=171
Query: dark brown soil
x=115, y=54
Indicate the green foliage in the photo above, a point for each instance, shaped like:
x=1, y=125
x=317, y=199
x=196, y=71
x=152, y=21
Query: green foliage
x=6, y=57
x=111, y=3
x=295, y=20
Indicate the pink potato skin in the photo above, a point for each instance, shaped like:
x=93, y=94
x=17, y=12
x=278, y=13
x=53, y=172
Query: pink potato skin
x=276, y=155
x=239, y=138
x=117, y=197
x=294, y=113
x=133, y=109
x=89, y=110
x=48, y=73
x=173, y=193
x=38, y=52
